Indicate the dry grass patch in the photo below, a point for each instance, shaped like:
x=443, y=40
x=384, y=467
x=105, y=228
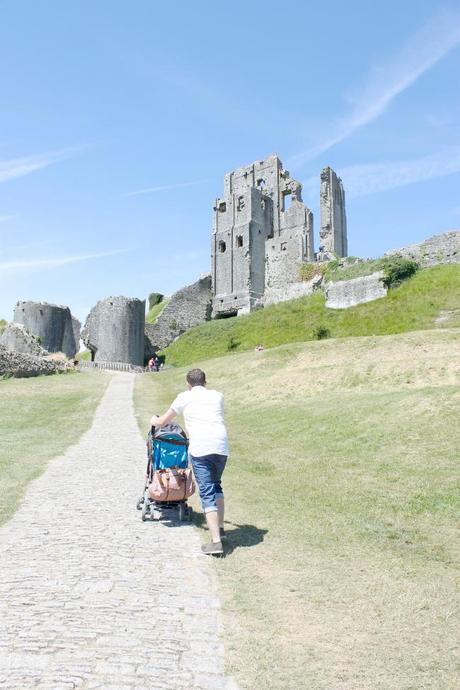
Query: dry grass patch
x=39, y=418
x=343, y=499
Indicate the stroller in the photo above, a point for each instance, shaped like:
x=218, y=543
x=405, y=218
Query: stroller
x=167, y=448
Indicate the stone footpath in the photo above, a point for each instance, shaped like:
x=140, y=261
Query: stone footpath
x=91, y=597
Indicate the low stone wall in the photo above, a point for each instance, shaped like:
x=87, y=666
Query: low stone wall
x=439, y=249
x=347, y=293
x=187, y=308
x=291, y=291
x=21, y=365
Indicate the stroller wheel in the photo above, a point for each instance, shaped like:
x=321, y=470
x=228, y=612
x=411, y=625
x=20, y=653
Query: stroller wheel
x=145, y=510
x=189, y=513
x=182, y=512
x=140, y=503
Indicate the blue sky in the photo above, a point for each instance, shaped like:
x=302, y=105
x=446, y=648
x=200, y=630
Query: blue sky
x=118, y=121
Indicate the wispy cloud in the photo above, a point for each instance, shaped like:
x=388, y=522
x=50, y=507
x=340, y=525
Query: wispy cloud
x=18, y=167
x=53, y=262
x=387, y=80
x=165, y=188
x=370, y=178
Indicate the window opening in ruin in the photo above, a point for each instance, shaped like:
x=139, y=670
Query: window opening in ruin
x=239, y=240
x=222, y=207
x=261, y=183
x=222, y=246
x=240, y=204
x=287, y=199
x=227, y=314
x=283, y=246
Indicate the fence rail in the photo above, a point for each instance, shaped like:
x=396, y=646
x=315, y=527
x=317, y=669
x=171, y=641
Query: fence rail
x=112, y=366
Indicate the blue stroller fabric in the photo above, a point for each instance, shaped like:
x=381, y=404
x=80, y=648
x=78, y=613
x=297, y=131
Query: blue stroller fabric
x=168, y=446
x=167, y=452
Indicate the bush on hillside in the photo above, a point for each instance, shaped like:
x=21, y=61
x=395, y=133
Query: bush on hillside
x=155, y=298
x=233, y=344
x=2, y=325
x=395, y=271
x=321, y=333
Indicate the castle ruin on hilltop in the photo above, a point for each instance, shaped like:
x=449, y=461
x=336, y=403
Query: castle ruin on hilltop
x=263, y=233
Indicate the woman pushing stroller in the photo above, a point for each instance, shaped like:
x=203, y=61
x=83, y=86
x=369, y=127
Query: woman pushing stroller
x=203, y=412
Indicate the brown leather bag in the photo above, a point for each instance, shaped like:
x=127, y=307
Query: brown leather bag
x=172, y=484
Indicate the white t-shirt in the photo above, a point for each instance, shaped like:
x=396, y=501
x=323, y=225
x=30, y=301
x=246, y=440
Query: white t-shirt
x=203, y=412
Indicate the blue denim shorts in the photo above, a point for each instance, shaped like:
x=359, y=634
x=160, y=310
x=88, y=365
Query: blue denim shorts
x=208, y=471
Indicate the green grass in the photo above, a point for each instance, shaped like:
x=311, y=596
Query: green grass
x=415, y=305
x=342, y=505
x=39, y=418
x=355, y=270
x=83, y=356
x=155, y=311
x=2, y=325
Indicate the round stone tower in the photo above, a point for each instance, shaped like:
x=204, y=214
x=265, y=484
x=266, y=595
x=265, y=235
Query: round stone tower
x=50, y=323
x=114, y=330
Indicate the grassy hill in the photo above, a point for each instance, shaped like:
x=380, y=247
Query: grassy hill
x=155, y=311
x=342, y=506
x=415, y=305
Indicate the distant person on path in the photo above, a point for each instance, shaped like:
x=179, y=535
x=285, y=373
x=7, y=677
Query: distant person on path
x=203, y=412
x=150, y=364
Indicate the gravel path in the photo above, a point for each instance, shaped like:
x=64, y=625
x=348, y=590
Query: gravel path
x=91, y=597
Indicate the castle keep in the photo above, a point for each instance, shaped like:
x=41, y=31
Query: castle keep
x=263, y=232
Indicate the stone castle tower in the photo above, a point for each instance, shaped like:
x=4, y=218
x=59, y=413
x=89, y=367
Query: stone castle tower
x=333, y=233
x=261, y=229
x=262, y=234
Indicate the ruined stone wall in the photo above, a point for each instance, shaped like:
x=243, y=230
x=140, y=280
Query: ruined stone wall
x=76, y=330
x=51, y=323
x=348, y=293
x=333, y=231
x=287, y=249
x=114, y=330
x=17, y=339
x=439, y=249
x=187, y=308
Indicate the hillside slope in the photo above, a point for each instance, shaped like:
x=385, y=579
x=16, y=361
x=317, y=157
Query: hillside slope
x=342, y=510
x=415, y=305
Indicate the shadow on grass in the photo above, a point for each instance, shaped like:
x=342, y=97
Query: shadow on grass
x=240, y=536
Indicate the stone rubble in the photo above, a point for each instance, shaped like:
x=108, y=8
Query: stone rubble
x=21, y=365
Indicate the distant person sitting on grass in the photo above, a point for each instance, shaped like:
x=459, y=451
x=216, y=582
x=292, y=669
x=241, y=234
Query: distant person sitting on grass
x=258, y=348
x=203, y=412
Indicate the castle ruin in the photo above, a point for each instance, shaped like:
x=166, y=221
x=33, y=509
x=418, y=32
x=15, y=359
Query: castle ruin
x=263, y=232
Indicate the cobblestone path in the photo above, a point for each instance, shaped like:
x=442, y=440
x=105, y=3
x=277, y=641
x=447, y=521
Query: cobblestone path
x=91, y=597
